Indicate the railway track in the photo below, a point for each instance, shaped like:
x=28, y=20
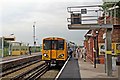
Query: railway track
x=54, y=72
x=51, y=73
x=4, y=73
x=13, y=65
x=31, y=72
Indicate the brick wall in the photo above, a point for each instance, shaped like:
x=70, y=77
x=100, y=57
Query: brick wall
x=109, y=20
x=90, y=42
x=100, y=35
x=116, y=34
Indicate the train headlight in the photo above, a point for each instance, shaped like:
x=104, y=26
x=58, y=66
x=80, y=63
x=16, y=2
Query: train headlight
x=44, y=54
x=61, y=55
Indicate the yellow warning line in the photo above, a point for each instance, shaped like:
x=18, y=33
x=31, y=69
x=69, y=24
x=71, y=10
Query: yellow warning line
x=108, y=52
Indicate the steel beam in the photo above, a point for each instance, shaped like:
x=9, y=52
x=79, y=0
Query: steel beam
x=85, y=6
x=88, y=26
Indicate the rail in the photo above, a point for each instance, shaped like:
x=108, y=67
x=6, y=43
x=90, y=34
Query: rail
x=32, y=74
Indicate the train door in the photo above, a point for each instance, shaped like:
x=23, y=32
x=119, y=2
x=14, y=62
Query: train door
x=54, y=49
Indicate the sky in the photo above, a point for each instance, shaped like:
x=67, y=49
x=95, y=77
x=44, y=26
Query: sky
x=18, y=16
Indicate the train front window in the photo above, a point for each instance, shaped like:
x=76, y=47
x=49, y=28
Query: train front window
x=53, y=44
x=60, y=44
x=47, y=44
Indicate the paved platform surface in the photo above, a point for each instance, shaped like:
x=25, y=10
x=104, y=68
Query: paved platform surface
x=80, y=70
x=71, y=70
x=88, y=72
x=20, y=56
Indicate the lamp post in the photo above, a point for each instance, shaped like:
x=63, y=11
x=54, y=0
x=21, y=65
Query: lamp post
x=96, y=54
x=97, y=49
x=94, y=50
x=34, y=41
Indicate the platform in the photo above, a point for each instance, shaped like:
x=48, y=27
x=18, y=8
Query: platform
x=11, y=58
x=71, y=70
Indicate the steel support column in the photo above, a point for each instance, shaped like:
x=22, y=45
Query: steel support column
x=108, y=52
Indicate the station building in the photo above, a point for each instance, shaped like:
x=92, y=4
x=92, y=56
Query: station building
x=98, y=40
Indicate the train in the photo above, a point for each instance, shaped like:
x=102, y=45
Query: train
x=21, y=48
x=18, y=48
x=55, y=50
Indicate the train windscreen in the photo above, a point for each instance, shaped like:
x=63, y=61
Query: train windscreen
x=60, y=44
x=47, y=44
x=53, y=44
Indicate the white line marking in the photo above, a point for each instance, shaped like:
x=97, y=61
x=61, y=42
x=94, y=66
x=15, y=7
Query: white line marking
x=62, y=69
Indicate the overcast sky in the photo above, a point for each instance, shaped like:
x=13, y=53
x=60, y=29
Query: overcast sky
x=18, y=16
